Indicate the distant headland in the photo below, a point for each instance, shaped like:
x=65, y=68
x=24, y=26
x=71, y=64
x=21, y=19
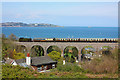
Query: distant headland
x=20, y=24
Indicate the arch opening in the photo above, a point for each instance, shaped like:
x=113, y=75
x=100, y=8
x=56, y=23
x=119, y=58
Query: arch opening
x=37, y=50
x=105, y=50
x=88, y=52
x=21, y=49
x=53, y=48
x=71, y=54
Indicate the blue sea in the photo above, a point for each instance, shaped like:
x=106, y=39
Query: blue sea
x=62, y=32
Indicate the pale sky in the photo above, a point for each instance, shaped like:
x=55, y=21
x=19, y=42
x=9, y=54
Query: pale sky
x=97, y=14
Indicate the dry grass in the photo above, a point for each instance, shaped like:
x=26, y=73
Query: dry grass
x=104, y=65
x=102, y=75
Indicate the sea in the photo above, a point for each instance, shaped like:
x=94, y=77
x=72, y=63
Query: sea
x=62, y=32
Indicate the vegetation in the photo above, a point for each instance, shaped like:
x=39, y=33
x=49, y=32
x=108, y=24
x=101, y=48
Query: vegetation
x=70, y=54
x=21, y=49
x=102, y=67
x=12, y=37
x=37, y=51
x=9, y=71
x=90, y=49
x=69, y=70
x=55, y=55
x=106, y=64
x=53, y=48
x=18, y=55
x=69, y=67
x=106, y=50
x=7, y=46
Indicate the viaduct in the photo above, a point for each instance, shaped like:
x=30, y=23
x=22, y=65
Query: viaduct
x=62, y=45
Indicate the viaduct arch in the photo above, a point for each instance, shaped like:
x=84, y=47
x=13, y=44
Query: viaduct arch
x=63, y=45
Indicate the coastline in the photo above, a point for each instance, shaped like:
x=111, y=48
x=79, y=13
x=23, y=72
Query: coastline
x=20, y=24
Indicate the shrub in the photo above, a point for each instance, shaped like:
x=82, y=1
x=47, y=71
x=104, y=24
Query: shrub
x=69, y=67
x=19, y=56
x=10, y=71
x=54, y=55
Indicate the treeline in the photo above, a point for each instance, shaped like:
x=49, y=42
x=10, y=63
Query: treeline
x=11, y=37
x=9, y=49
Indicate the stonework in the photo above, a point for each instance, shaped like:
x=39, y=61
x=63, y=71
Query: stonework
x=62, y=45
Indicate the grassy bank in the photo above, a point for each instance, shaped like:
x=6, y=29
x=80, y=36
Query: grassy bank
x=63, y=71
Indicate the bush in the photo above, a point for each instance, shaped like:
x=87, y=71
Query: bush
x=69, y=67
x=55, y=55
x=19, y=56
x=10, y=71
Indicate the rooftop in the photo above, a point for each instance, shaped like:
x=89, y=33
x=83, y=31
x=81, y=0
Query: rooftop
x=38, y=60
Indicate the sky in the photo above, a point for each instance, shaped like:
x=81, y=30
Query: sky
x=97, y=14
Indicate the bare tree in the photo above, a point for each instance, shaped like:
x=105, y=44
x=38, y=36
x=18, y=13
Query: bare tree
x=12, y=37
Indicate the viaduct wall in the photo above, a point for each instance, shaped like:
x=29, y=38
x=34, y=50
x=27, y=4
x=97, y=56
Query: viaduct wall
x=63, y=45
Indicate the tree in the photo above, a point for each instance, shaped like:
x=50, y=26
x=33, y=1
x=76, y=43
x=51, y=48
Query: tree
x=55, y=55
x=37, y=51
x=75, y=52
x=69, y=57
x=21, y=49
x=53, y=48
x=3, y=37
x=7, y=46
x=12, y=37
x=70, y=53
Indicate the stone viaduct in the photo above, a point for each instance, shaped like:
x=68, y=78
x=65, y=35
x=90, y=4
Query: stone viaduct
x=63, y=45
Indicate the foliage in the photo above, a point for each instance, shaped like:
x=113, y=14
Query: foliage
x=87, y=51
x=9, y=71
x=75, y=51
x=70, y=56
x=19, y=56
x=106, y=50
x=37, y=51
x=3, y=36
x=69, y=67
x=55, y=55
x=7, y=47
x=21, y=48
x=53, y=48
x=114, y=53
